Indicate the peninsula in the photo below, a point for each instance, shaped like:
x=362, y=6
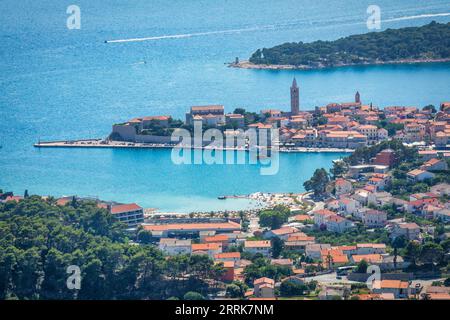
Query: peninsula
x=428, y=43
x=335, y=127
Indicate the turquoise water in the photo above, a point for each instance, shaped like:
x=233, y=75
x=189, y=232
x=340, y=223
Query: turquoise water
x=57, y=83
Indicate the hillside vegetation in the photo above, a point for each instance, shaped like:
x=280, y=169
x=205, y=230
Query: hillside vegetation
x=427, y=43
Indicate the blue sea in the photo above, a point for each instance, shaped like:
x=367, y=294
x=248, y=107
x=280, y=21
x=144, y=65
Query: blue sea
x=57, y=83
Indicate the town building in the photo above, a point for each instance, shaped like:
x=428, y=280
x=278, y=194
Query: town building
x=370, y=131
x=229, y=271
x=419, y=175
x=411, y=231
x=342, y=186
x=190, y=229
x=400, y=289
x=333, y=258
x=385, y=158
x=373, y=258
x=258, y=246
x=370, y=248
x=338, y=224
x=314, y=251
x=426, y=155
x=236, y=121
x=219, y=238
x=374, y=218
x=172, y=246
x=210, y=115
x=320, y=217
x=211, y=249
x=264, y=288
x=281, y=233
x=130, y=214
x=228, y=256
x=435, y=165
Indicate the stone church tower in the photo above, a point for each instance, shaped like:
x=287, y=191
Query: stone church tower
x=357, y=97
x=295, y=98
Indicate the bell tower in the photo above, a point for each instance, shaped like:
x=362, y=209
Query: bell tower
x=295, y=98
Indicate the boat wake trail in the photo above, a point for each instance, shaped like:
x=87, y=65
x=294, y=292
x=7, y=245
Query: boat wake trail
x=265, y=28
x=189, y=35
x=420, y=16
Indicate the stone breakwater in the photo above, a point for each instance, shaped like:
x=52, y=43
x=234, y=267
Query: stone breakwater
x=101, y=143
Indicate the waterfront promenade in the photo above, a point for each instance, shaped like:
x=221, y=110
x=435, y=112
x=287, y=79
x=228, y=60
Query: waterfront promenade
x=101, y=143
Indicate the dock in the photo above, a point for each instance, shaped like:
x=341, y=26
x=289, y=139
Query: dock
x=97, y=143
x=104, y=143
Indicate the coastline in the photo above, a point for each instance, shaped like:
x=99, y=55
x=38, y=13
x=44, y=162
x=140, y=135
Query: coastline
x=245, y=64
x=102, y=144
x=262, y=200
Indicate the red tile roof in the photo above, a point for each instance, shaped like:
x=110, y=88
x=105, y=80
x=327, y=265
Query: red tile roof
x=125, y=208
x=393, y=284
x=216, y=238
x=264, y=280
x=257, y=244
x=206, y=246
x=370, y=258
x=228, y=255
x=206, y=108
x=324, y=212
x=194, y=226
x=14, y=198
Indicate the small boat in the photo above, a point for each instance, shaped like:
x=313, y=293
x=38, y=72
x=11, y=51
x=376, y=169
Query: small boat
x=221, y=197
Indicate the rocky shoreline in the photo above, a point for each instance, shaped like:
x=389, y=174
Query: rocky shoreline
x=245, y=64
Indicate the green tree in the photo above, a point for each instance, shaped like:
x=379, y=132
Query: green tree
x=318, y=182
x=236, y=289
x=430, y=107
x=338, y=169
x=40, y=239
x=362, y=267
x=431, y=253
x=398, y=243
x=54, y=283
x=290, y=288
x=274, y=218
x=412, y=252
x=388, y=45
x=239, y=111
x=144, y=236
x=277, y=247
x=447, y=282
x=191, y=295
x=446, y=245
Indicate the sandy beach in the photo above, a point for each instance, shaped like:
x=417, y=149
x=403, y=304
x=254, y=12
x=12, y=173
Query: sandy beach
x=263, y=200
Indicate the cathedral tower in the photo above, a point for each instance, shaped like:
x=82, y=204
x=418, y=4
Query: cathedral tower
x=357, y=97
x=295, y=98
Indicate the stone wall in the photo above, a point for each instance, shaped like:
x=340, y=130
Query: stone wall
x=128, y=133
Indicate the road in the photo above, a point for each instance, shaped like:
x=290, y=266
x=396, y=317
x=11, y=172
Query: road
x=329, y=278
x=319, y=205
